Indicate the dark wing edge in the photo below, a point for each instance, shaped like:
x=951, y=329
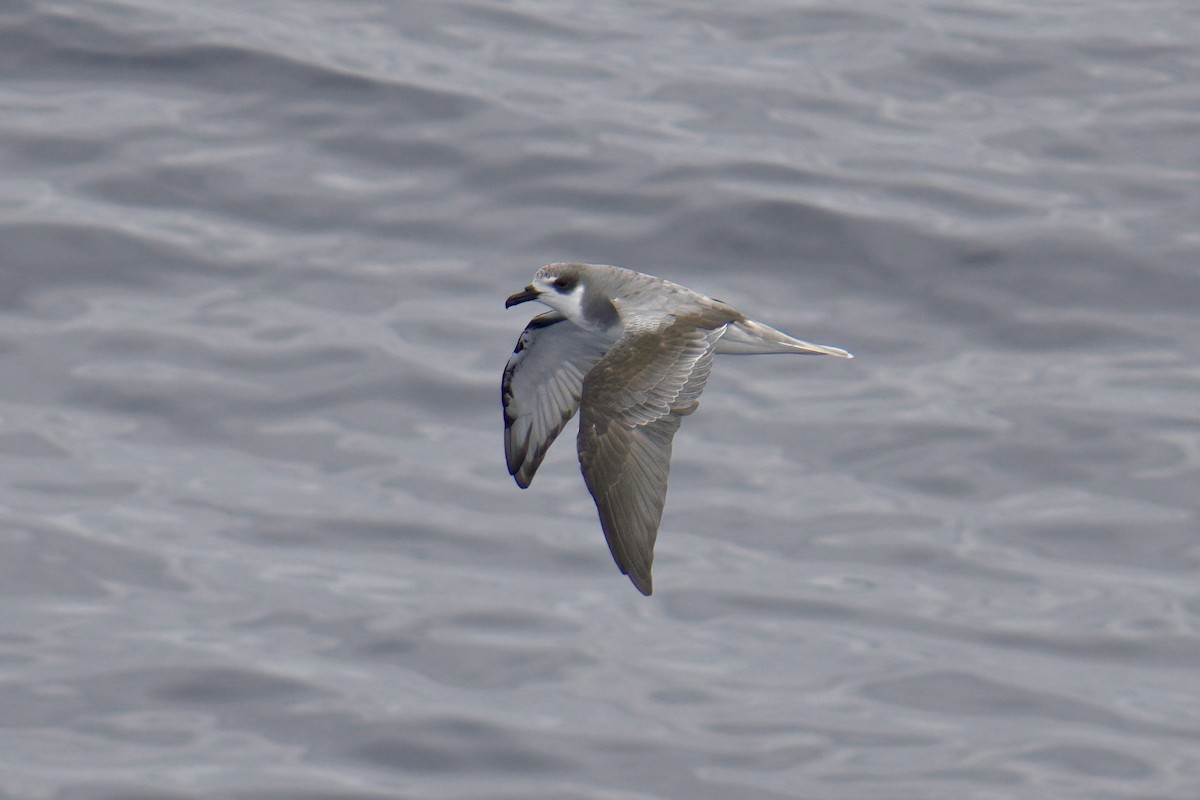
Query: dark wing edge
x=541, y=387
x=633, y=403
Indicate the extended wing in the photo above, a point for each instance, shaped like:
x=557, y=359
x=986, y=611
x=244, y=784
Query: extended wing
x=541, y=388
x=633, y=402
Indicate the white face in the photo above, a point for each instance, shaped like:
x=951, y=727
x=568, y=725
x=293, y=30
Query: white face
x=562, y=293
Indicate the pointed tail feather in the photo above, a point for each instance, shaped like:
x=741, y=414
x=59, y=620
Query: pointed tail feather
x=748, y=337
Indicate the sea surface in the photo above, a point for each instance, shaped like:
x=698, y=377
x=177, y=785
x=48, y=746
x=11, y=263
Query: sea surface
x=257, y=538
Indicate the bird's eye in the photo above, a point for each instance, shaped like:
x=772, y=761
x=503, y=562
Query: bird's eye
x=563, y=285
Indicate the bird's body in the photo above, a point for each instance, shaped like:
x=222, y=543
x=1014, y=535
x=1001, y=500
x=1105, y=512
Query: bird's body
x=630, y=352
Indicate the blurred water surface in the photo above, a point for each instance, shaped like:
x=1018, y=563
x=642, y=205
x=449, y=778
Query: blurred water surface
x=256, y=535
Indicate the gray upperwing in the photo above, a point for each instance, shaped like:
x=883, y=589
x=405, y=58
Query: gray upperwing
x=541, y=387
x=633, y=402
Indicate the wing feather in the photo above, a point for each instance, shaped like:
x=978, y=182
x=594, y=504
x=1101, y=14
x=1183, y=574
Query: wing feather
x=633, y=402
x=541, y=387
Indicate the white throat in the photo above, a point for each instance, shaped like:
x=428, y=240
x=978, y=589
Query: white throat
x=571, y=306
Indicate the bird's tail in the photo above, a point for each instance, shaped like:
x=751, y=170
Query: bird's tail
x=748, y=337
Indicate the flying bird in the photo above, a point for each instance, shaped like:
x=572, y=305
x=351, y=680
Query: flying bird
x=630, y=352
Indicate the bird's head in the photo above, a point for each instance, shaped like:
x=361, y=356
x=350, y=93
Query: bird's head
x=560, y=286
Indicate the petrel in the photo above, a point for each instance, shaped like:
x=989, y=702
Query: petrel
x=631, y=353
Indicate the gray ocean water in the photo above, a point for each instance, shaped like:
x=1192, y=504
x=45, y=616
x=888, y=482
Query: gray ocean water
x=257, y=539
